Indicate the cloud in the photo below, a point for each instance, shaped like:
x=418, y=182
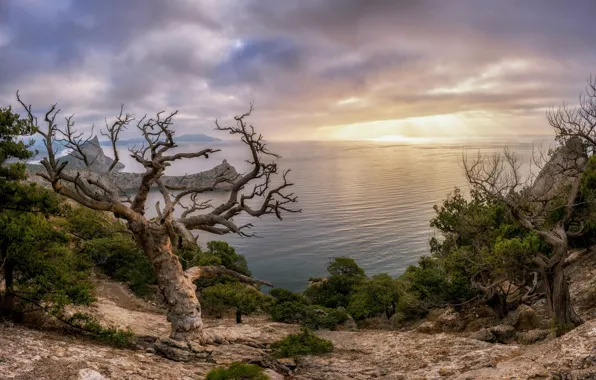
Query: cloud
x=308, y=66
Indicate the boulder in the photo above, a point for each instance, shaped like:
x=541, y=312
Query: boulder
x=484, y=335
x=90, y=374
x=523, y=318
x=533, y=336
x=503, y=333
x=427, y=328
x=289, y=363
x=450, y=320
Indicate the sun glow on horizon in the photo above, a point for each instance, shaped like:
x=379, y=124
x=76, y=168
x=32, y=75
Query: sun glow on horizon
x=401, y=138
x=411, y=129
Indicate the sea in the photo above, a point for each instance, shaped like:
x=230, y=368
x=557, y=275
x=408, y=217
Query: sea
x=367, y=200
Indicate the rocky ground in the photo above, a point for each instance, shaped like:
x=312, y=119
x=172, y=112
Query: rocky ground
x=364, y=354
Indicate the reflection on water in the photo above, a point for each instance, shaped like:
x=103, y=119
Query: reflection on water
x=365, y=200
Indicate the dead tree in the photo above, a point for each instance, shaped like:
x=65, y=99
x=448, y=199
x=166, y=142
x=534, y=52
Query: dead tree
x=156, y=235
x=544, y=204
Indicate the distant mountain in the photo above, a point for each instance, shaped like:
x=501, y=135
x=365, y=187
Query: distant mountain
x=188, y=138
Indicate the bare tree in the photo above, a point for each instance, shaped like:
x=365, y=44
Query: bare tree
x=156, y=235
x=544, y=204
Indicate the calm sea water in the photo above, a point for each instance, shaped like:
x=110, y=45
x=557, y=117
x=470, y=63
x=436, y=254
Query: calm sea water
x=365, y=200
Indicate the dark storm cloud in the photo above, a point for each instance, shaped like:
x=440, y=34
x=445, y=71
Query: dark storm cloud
x=305, y=64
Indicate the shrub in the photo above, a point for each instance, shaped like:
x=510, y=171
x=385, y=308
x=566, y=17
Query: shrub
x=345, y=277
x=243, y=298
x=288, y=312
x=318, y=317
x=38, y=267
x=110, y=335
x=114, y=251
x=283, y=295
x=312, y=316
x=303, y=343
x=375, y=296
x=237, y=371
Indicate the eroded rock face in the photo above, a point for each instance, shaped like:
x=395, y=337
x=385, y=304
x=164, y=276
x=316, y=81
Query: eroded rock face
x=561, y=170
x=95, y=155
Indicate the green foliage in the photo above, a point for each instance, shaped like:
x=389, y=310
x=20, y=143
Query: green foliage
x=119, y=257
x=378, y=295
x=303, y=343
x=237, y=371
x=218, y=253
x=281, y=295
x=319, y=317
x=312, y=316
x=335, y=291
x=110, y=335
x=11, y=127
x=219, y=298
x=106, y=242
x=288, y=312
x=45, y=271
x=90, y=224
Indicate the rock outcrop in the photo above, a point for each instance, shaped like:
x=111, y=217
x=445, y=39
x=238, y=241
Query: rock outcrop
x=95, y=155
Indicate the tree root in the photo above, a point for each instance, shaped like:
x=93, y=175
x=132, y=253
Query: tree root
x=199, y=347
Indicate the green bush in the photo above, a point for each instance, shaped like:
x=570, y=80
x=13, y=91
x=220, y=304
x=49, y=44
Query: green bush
x=303, y=343
x=109, y=335
x=288, y=312
x=237, y=371
x=312, y=316
x=119, y=257
x=318, y=317
x=38, y=267
x=375, y=296
x=243, y=298
x=283, y=295
x=335, y=291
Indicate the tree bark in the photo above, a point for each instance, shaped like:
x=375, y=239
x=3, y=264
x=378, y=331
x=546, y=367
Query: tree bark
x=556, y=291
x=184, y=309
x=238, y=316
x=8, y=304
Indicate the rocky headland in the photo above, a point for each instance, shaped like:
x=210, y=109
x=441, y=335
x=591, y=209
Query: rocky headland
x=127, y=181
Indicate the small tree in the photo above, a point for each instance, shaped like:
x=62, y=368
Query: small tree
x=484, y=249
x=335, y=290
x=157, y=236
x=39, y=268
x=244, y=299
x=376, y=296
x=545, y=204
x=15, y=196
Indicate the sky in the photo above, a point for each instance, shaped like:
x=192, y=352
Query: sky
x=327, y=69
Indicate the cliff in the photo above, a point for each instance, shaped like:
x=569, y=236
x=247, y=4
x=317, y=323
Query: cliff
x=99, y=161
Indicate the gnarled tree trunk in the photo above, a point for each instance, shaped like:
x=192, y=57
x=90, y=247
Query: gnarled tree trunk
x=184, y=309
x=556, y=291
